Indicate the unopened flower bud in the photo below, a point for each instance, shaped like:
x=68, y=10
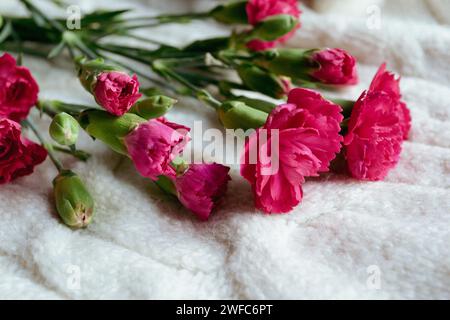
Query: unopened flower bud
x=233, y=12
x=238, y=115
x=64, y=129
x=74, y=203
x=274, y=27
x=262, y=81
x=153, y=107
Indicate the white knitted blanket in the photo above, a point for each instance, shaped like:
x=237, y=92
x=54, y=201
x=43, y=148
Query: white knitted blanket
x=347, y=239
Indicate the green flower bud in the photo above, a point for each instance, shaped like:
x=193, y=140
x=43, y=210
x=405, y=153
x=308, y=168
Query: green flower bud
x=73, y=201
x=64, y=129
x=153, y=107
x=88, y=70
x=108, y=128
x=238, y=115
x=274, y=27
x=233, y=12
x=293, y=63
x=260, y=80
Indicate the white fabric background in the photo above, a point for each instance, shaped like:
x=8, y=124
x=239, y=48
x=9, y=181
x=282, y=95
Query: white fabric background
x=142, y=247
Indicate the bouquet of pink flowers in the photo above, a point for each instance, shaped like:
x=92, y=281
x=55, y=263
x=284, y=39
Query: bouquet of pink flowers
x=301, y=135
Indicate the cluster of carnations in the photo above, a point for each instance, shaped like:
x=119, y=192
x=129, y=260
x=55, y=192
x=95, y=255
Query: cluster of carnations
x=310, y=129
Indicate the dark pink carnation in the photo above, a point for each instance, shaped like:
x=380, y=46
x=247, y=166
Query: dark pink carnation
x=201, y=186
x=336, y=66
x=116, y=91
x=385, y=81
x=374, y=138
x=379, y=123
x=18, y=89
x=154, y=144
x=258, y=10
x=18, y=156
x=308, y=133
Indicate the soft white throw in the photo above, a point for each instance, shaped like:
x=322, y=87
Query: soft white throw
x=347, y=239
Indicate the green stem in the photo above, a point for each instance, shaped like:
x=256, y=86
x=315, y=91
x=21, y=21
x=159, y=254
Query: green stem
x=139, y=73
x=53, y=107
x=79, y=154
x=173, y=18
x=134, y=36
x=33, y=9
x=45, y=144
x=201, y=94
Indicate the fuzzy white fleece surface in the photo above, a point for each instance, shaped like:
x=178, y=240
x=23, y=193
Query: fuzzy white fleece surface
x=347, y=239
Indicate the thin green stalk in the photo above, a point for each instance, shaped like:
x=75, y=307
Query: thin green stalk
x=134, y=36
x=79, y=154
x=32, y=8
x=174, y=18
x=139, y=73
x=197, y=92
x=45, y=144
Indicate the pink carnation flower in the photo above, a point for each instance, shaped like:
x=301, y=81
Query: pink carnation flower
x=18, y=156
x=337, y=67
x=18, y=89
x=258, y=10
x=154, y=144
x=308, y=132
x=385, y=81
x=379, y=123
x=116, y=92
x=201, y=187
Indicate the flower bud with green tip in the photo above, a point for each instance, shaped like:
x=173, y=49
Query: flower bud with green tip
x=260, y=80
x=238, y=115
x=74, y=203
x=233, y=12
x=273, y=27
x=64, y=129
x=153, y=107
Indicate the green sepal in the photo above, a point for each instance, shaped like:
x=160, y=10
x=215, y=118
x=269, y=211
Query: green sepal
x=153, y=107
x=233, y=12
x=108, y=128
x=238, y=115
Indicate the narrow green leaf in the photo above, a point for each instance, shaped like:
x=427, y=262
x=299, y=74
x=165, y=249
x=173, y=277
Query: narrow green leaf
x=6, y=32
x=56, y=51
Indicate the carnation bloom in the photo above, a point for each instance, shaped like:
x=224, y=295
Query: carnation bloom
x=18, y=89
x=116, y=91
x=385, y=81
x=152, y=146
x=258, y=10
x=18, y=156
x=307, y=128
x=201, y=186
x=336, y=67
x=379, y=123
